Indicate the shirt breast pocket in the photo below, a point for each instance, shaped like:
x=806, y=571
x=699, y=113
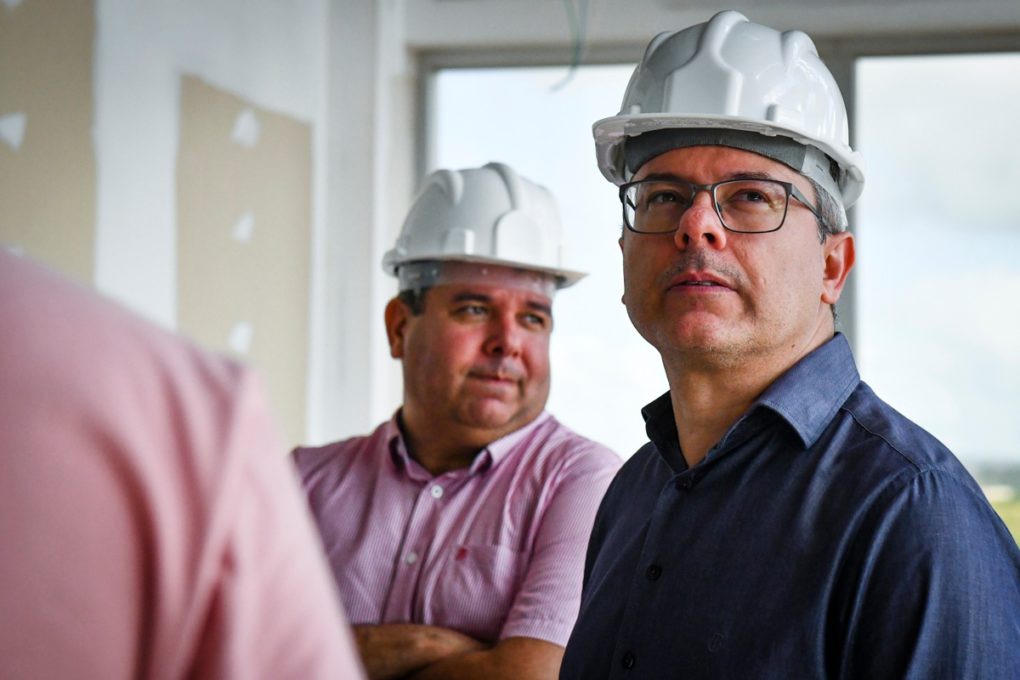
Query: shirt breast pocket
x=475, y=589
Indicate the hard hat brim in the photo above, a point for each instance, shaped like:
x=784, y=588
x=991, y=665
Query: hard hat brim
x=564, y=277
x=611, y=133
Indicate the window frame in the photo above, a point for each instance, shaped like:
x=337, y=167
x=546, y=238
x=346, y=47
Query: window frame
x=840, y=54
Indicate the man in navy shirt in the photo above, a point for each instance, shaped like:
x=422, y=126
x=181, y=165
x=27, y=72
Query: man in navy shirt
x=783, y=521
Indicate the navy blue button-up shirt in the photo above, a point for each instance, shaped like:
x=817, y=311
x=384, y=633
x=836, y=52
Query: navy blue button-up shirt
x=825, y=536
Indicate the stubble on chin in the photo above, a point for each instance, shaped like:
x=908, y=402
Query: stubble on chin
x=693, y=344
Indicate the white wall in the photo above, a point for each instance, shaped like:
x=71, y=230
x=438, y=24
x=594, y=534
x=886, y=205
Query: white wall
x=369, y=123
x=268, y=52
x=337, y=66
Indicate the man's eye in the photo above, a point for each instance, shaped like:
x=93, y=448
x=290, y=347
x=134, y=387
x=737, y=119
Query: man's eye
x=663, y=197
x=536, y=320
x=754, y=194
x=751, y=196
x=471, y=311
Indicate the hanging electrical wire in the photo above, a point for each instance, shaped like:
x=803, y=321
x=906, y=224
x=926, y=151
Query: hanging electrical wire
x=577, y=19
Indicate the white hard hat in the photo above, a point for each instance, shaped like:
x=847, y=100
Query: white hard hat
x=488, y=215
x=732, y=74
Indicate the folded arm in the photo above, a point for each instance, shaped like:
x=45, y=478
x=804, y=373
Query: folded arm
x=547, y=601
x=516, y=658
x=394, y=650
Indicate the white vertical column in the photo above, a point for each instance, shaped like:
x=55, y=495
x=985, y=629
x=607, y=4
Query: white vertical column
x=368, y=184
x=841, y=63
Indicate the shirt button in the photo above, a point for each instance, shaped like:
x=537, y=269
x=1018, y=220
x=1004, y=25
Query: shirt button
x=653, y=572
x=685, y=484
x=436, y=491
x=627, y=661
x=411, y=557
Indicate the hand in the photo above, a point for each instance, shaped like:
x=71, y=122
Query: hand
x=515, y=658
x=394, y=650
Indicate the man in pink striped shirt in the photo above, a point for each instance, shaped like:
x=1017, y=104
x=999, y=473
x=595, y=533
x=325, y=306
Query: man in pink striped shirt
x=457, y=530
x=149, y=527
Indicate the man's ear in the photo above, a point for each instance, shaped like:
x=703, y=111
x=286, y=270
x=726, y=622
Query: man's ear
x=396, y=316
x=623, y=297
x=838, y=251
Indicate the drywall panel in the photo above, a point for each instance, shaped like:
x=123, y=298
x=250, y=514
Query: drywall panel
x=244, y=190
x=269, y=52
x=47, y=162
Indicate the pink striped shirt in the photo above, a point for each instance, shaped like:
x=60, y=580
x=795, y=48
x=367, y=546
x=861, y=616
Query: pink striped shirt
x=149, y=527
x=495, y=550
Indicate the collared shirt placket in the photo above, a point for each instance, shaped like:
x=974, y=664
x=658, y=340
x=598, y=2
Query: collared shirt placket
x=645, y=588
x=417, y=554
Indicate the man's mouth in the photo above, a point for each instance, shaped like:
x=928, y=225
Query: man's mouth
x=495, y=377
x=700, y=271
x=701, y=281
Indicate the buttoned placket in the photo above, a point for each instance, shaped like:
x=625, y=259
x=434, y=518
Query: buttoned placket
x=648, y=572
x=416, y=548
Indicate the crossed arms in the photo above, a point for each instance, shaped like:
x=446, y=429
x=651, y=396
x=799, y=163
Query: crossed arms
x=421, y=652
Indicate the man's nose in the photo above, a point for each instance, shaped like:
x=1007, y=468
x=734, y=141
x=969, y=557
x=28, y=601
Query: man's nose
x=700, y=225
x=505, y=336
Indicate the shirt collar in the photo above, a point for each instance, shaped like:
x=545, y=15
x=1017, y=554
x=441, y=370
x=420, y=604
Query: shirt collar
x=488, y=457
x=499, y=449
x=807, y=396
x=660, y=425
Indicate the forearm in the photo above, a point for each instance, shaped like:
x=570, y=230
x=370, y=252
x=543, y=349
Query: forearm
x=393, y=650
x=511, y=659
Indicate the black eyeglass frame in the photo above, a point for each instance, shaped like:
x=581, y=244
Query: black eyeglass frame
x=791, y=190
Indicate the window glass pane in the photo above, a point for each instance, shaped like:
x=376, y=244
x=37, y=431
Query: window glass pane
x=939, y=250
x=540, y=123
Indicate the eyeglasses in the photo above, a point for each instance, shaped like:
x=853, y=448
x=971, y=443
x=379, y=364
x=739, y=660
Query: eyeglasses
x=747, y=206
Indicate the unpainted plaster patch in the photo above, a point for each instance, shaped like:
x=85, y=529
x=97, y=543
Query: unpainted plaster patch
x=244, y=228
x=12, y=129
x=246, y=129
x=240, y=337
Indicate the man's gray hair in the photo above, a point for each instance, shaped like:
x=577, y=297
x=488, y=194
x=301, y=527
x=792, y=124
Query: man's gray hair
x=831, y=214
x=830, y=217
